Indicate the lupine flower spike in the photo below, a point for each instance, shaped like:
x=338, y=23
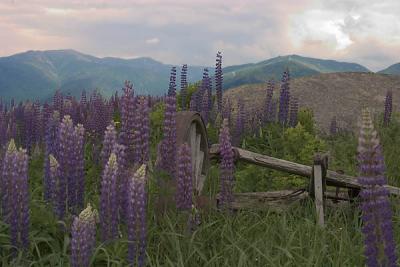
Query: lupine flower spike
x=226, y=166
x=380, y=248
x=109, y=200
x=136, y=213
x=184, y=179
x=83, y=237
x=15, y=194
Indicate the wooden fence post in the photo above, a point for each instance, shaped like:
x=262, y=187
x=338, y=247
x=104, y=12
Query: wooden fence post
x=318, y=181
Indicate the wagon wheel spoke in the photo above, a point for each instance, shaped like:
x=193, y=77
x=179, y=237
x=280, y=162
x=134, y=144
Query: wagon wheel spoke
x=199, y=163
x=192, y=143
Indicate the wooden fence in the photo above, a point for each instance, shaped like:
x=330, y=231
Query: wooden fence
x=318, y=173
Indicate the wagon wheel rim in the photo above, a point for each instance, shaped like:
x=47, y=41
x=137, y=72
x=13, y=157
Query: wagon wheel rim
x=197, y=156
x=192, y=130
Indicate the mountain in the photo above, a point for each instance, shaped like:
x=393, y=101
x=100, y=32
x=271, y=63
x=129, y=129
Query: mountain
x=393, y=69
x=273, y=68
x=330, y=94
x=37, y=74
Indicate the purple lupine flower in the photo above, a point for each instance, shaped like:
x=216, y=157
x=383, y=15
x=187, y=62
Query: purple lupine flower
x=294, y=109
x=168, y=147
x=172, y=83
x=3, y=129
x=218, y=81
x=138, y=146
x=205, y=111
x=273, y=111
x=99, y=115
x=83, y=98
x=127, y=119
x=184, y=181
x=46, y=114
x=58, y=102
x=54, y=175
x=268, y=101
x=110, y=139
x=184, y=86
x=28, y=127
x=83, y=239
x=37, y=122
x=284, y=98
x=109, y=200
x=380, y=248
x=79, y=151
x=136, y=213
x=192, y=104
x=227, y=111
x=226, y=166
x=122, y=180
x=204, y=94
x=388, y=108
x=145, y=130
x=142, y=132
x=70, y=157
x=333, y=126
x=15, y=194
x=65, y=153
x=240, y=123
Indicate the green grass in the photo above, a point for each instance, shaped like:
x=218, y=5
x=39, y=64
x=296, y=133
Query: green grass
x=246, y=238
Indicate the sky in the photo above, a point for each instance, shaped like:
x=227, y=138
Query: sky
x=190, y=31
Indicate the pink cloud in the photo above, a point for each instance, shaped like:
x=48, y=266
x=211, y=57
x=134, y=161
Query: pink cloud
x=246, y=31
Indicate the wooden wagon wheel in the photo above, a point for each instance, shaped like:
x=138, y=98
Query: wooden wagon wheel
x=191, y=130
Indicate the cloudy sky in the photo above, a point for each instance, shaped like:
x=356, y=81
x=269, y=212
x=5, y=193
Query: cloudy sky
x=191, y=31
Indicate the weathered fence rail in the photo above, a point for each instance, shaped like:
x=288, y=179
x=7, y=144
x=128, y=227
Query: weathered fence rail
x=332, y=178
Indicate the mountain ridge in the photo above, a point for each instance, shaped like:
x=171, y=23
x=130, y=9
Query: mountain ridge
x=36, y=74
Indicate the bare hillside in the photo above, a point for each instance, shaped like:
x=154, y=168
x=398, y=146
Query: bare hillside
x=331, y=94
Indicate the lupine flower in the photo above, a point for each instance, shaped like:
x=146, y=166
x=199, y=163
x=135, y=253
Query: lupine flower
x=388, y=108
x=142, y=133
x=145, y=131
x=79, y=151
x=168, y=147
x=54, y=175
x=294, y=109
x=333, y=126
x=184, y=86
x=109, y=200
x=83, y=239
x=226, y=166
x=273, y=113
x=218, y=81
x=70, y=158
x=110, y=139
x=184, y=181
x=284, y=99
x=268, y=101
x=15, y=194
x=127, y=119
x=136, y=223
x=226, y=112
x=240, y=123
x=192, y=104
x=58, y=102
x=172, y=83
x=122, y=179
x=380, y=248
x=205, y=112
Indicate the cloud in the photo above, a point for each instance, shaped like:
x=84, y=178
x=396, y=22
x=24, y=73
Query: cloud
x=152, y=41
x=192, y=32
